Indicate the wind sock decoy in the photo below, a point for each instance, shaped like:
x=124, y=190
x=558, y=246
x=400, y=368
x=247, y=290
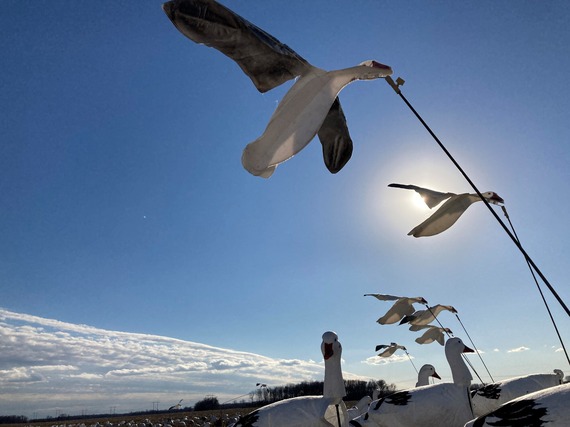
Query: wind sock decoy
x=432, y=333
x=402, y=307
x=449, y=212
x=309, y=108
x=424, y=317
x=389, y=349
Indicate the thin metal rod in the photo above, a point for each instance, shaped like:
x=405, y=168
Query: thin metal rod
x=338, y=416
x=515, y=241
x=408, y=354
x=539, y=289
x=475, y=347
x=463, y=355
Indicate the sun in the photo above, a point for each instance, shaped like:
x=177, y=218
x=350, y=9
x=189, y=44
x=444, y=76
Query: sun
x=418, y=201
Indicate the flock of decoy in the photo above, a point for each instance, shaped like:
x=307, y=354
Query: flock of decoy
x=311, y=107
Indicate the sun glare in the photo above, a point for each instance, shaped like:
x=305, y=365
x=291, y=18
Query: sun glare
x=418, y=201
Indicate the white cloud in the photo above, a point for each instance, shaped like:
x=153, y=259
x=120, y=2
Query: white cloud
x=376, y=360
x=518, y=349
x=46, y=365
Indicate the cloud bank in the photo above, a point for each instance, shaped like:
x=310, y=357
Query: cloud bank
x=48, y=368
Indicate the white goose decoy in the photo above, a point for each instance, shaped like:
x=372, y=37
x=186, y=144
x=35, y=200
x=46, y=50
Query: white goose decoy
x=390, y=349
x=433, y=333
x=177, y=406
x=309, y=411
x=436, y=405
x=490, y=396
x=548, y=408
x=402, y=307
x=449, y=212
x=426, y=371
x=360, y=408
x=424, y=317
x=301, y=113
x=311, y=105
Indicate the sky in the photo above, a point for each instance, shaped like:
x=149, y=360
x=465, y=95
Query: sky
x=139, y=262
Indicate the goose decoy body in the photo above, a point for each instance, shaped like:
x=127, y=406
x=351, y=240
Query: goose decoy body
x=311, y=105
x=490, y=396
x=544, y=408
x=449, y=212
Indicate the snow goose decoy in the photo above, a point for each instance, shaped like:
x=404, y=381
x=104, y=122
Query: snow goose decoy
x=436, y=405
x=490, y=396
x=177, y=406
x=402, y=307
x=309, y=108
x=432, y=333
x=309, y=411
x=426, y=371
x=449, y=212
x=424, y=317
x=548, y=408
x=390, y=349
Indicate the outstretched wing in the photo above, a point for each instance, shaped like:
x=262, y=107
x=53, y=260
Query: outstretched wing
x=335, y=139
x=445, y=216
x=383, y=297
x=265, y=60
x=431, y=198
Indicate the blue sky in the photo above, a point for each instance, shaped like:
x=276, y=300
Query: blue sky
x=125, y=206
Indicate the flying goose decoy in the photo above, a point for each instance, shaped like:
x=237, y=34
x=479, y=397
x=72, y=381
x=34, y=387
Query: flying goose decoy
x=449, y=212
x=309, y=108
x=432, y=333
x=390, y=349
x=177, y=406
x=424, y=317
x=402, y=307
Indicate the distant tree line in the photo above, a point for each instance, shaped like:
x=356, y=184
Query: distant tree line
x=13, y=419
x=355, y=390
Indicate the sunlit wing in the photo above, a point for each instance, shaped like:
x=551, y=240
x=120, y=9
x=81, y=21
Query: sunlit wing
x=430, y=197
x=445, y=216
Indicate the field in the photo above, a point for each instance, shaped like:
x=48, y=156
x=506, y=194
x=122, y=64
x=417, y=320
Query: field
x=163, y=418
x=172, y=418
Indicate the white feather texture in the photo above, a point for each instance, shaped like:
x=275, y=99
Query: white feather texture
x=548, y=408
x=491, y=396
